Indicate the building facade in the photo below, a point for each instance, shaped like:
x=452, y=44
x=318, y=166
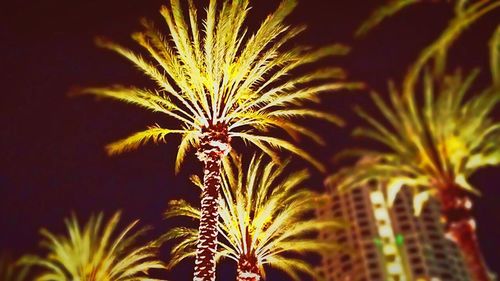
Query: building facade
x=387, y=244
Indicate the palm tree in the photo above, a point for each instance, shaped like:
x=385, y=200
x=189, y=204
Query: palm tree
x=11, y=271
x=223, y=86
x=265, y=220
x=96, y=253
x=434, y=146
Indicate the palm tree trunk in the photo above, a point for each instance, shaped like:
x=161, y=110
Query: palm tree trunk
x=464, y=235
x=214, y=144
x=248, y=269
x=207, y=242
x=460, y=227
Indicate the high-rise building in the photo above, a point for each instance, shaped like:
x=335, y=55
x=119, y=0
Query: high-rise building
x=387, y=244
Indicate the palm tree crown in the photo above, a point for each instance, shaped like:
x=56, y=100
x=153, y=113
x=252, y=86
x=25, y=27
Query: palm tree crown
x=264, y=220
x=435, y=141
x=221, y=81
x=96, y=253
x=433, y=145
x=441, y=139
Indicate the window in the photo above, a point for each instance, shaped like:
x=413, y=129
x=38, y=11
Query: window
x=405, y=227
x=373, y=265
x=374, y=276
x=346, y=267
x=412, y=250
x=345, y=258
x=403, y=218
x=416, y=260
x=418, y=270
x=366, y=233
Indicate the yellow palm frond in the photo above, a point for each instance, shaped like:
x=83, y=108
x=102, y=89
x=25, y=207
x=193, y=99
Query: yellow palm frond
x=218, y=72
x=96, y=252
x=153, y=133
x=154, y=101
x=495, y=56
x=189, y=140
x=435, y=140
x=466, y=13
x=389, y=9
x=437, y=51
x=263, y=212
x=276, y=143
x=10, y=270
x=447, y=139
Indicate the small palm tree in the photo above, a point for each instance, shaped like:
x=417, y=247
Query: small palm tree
x=266, y=220
x=10, y=270
x=225, y=85
x=96, y=253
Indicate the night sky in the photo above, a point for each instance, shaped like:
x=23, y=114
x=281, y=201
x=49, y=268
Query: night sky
x=51, y=146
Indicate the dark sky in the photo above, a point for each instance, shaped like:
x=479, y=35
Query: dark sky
x=51, y=146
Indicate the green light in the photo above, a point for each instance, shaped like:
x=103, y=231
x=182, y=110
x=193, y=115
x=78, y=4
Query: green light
x=378, y=242
x=399, y=239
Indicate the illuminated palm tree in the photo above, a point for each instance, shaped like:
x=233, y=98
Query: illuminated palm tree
x=265, y=220
x=96, y=253
x=11, y=271
x=226, y=85
x=437, y=145
x=434, y=147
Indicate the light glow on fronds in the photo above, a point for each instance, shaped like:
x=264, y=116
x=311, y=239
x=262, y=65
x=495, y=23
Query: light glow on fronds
x=218, y=73
x=448, y=137
x=96, y=252
x=466, y=12
x=153, y=133
x=495, y=56
x=10, y=270
x=389, y=9
x=437, y=139
x=263, y=213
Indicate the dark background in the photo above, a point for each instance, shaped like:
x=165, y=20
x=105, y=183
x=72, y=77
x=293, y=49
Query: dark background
x=51, y=146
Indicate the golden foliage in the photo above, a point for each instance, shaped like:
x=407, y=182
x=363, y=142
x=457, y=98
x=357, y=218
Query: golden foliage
x=434, y=144
x=436, y=132
x=96, y=252
x=466, y=12
x=221, y=74
x=10, y=270
x=262, y=212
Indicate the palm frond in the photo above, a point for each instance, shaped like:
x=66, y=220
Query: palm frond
x=262, y=212
x=444, y=141
x=153, y=133
x=189, y=140
x=11, y=270
x=96, y=252
x=273, y=142
x=389, y=9
x=438, y=50
x=218, y=72
x=466, y=13
x=495, y=56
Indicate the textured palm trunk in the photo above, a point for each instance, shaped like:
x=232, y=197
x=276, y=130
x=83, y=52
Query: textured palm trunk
x=248, y=269
x=214, y=144
x=460, y=227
